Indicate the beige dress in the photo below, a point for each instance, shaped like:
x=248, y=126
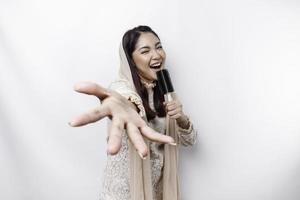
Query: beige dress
x=116, y=174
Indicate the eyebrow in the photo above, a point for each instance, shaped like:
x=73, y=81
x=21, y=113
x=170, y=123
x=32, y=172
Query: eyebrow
x=147, y=47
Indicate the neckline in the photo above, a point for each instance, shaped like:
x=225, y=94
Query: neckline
x=148, y=84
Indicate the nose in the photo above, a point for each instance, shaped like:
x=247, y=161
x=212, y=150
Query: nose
x=156, y=55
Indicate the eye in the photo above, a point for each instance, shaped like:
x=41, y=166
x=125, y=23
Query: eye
x=144, y=52
x=159, y=47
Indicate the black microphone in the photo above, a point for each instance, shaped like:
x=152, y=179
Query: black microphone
x=165, y=84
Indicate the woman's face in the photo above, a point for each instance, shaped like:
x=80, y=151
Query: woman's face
x=148, y=56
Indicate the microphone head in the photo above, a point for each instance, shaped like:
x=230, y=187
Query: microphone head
x=164, y=81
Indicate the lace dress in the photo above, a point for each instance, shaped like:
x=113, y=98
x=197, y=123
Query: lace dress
x=116, y=173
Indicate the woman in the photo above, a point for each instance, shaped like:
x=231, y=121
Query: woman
x=139, y=168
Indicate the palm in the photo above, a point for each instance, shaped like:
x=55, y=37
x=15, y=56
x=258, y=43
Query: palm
x=123, y=116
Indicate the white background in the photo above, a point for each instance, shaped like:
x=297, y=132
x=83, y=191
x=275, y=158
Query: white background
x=235, y=66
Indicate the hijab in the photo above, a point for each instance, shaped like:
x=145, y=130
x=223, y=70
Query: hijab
x=140, y=170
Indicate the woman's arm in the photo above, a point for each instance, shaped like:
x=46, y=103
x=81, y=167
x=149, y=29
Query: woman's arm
x=123, y=114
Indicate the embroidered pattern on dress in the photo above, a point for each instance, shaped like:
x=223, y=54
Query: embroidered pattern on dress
x=138, y=102
x=116, y=174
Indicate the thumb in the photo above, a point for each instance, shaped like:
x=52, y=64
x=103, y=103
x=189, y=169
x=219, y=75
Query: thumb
x=91, y=88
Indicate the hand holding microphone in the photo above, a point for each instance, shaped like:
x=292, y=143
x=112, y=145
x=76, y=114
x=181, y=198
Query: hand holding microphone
x=173, y=105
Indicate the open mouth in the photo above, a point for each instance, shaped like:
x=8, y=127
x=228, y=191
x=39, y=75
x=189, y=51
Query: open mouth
x=155, y=66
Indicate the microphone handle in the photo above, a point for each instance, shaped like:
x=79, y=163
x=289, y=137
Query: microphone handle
x=170, y=96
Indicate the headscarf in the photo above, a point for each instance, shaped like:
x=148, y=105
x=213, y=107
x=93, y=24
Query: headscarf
x=140, y=170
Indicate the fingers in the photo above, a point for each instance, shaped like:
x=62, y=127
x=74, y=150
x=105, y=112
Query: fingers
x=155, y=136
x=91, y=116
x=115, y=136
x=173, y=105
x=176, y=116
x=174, y=109
x=137, y=139
x=174, y=112
x=91, y=88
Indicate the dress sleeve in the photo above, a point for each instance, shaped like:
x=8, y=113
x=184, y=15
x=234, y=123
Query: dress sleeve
x=187, y=137
x=123, y=89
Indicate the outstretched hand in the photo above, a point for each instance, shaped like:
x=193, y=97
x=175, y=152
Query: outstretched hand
x=123, y=115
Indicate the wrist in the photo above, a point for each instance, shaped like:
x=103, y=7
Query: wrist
x=183, y=121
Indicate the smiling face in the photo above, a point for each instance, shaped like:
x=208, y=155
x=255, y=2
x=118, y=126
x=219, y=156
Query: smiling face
x=148, y=56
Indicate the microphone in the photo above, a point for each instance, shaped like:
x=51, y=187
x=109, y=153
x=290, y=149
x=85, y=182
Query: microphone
x=165, y=84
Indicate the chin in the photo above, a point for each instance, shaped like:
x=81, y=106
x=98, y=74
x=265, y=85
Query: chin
x=154, y=78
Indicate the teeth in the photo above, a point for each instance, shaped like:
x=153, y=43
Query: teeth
x=156, y=65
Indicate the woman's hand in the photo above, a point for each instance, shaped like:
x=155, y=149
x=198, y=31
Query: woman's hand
x=174, y=110
x=123, y=116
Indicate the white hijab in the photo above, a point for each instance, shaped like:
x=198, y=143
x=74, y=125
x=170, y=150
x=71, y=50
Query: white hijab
x=140, y=170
